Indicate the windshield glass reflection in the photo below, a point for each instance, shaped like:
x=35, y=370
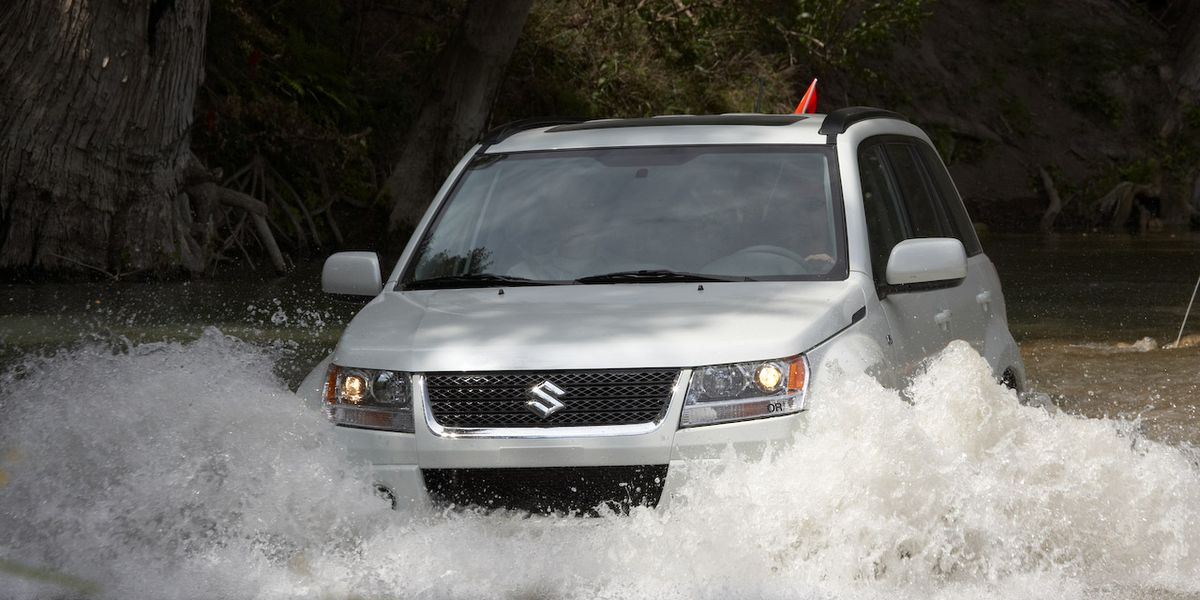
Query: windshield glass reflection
x=728, y=212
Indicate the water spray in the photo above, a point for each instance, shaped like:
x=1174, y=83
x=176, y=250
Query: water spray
x=1186, y=313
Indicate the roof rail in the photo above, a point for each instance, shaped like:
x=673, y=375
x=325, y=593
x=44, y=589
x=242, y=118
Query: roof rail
x=839, y=120
x=500, y=133
x=664, y=120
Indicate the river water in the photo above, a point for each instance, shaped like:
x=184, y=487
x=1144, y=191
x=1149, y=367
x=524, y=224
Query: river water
x=149, y=448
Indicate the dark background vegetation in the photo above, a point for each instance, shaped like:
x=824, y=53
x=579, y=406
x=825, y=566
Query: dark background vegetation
x=1072, y=115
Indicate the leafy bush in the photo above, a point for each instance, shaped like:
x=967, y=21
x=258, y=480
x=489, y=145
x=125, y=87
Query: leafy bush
x=596, y=57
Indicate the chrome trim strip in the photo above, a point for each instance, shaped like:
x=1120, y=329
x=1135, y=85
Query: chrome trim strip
x=419, y=390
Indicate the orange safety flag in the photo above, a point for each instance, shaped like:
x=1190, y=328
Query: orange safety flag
x=808, y=104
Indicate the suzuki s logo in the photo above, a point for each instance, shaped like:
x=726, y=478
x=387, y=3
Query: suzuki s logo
x=544, y=399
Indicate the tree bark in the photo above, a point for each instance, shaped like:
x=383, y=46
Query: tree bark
x=1185, y=19
x=96, y=100
x=466, y=76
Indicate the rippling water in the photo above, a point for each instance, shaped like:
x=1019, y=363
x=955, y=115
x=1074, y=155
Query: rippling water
x=1093, y=315
x=160, y=458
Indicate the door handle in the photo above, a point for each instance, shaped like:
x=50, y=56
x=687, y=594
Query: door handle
x=984, y=299
x=943, y=319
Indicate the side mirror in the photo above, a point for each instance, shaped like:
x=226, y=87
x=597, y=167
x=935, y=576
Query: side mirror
x=926, y=263
x=352, y=273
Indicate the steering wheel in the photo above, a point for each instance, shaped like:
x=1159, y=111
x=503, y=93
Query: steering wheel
x=775, y=250
x=763, y=250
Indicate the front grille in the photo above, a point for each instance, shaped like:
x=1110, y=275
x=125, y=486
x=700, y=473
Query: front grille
x=573, y=490
x=611, y=397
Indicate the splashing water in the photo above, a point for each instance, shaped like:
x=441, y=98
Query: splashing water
x=168, y=470
x=186, y=470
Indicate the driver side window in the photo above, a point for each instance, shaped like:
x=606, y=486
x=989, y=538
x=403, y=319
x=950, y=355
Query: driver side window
x=885, y=223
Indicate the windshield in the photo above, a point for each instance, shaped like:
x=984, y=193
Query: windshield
x=719, y=212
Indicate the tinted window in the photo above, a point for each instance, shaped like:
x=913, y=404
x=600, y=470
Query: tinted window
x=925, y=216
x=961, y=222
x=885, y=224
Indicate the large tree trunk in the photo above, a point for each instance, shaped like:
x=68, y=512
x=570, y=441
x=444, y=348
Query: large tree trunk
x=1183, y=17
x=96, y=100
x=1185, y=20
x=466, y=77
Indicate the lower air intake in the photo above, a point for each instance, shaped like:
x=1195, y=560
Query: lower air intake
x=572, y=490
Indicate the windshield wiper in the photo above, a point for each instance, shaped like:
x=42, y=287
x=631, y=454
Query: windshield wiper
x=655, y=276
x=475, y=280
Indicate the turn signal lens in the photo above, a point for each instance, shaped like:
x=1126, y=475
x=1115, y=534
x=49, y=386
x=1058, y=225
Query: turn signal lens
x=797, y=374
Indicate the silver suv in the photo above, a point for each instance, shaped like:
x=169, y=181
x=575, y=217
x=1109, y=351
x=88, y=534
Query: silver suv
x=588, y=305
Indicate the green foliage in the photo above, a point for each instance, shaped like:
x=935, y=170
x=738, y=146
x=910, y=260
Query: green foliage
x=1172, y=160
x=1015, y=112
x=325, y=91
x=590, y=58
x=1139, y=171
x=1191, y=117
x=838, y=33
x=945, y=141
x=1090, y=96
x=1090, y=60
x=954, y=147
x=280, y=86
x=322, y=91
x=607, y=58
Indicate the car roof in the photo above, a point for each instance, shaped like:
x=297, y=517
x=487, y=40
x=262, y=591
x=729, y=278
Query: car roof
x=671, y=130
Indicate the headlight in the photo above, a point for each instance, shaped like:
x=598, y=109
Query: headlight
x=369, y=398
x=750, y=390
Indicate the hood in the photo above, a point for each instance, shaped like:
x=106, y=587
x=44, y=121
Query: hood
x=596, y=326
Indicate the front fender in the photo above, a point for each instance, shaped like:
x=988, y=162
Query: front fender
x=312, y=389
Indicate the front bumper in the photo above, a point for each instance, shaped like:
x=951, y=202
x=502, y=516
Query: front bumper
x=398, y=459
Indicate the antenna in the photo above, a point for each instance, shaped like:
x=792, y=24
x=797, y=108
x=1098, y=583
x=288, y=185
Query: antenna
x=758, y=98
x=1186, y=313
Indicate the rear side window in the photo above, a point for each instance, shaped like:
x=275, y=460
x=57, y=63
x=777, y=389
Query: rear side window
x=961, y=223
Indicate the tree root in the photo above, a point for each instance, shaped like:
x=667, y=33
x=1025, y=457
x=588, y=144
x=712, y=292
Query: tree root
x=264, y=235
x=1116, y=207
x=114, y=276
x=1056, y=204
x=205, y=208
x=208, y=227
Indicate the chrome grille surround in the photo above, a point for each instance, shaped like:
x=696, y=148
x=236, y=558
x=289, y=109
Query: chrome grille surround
x=611, y=400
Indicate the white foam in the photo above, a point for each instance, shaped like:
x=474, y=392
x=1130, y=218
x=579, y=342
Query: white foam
x=1146, y=344
x=186, y=470
x=168, y=470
